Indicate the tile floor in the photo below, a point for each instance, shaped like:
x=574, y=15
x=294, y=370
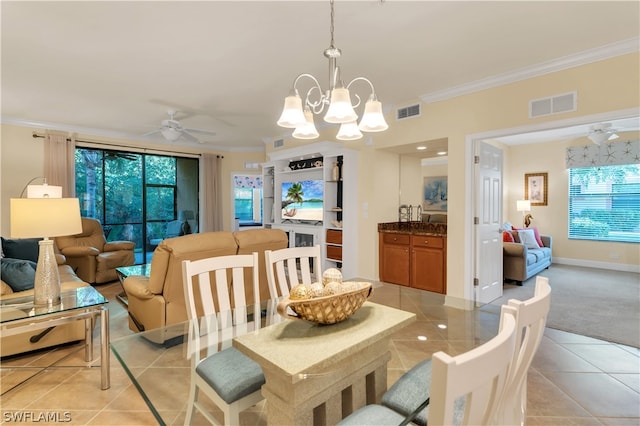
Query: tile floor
x=574, y=380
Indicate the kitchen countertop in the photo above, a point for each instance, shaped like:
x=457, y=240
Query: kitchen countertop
x=414, y=228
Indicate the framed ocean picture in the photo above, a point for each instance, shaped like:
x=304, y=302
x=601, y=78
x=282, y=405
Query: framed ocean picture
x=435, y=194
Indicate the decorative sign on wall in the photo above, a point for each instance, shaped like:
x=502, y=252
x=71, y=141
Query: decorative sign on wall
x=435, y=194
x=309, y=163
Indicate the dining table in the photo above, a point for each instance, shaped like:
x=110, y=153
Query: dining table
x=315, y=373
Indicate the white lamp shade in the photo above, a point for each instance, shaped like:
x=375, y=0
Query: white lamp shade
x=292, y=115
x=523, y=205
x=45, y=217
x=170, y=133
x=340, y=109
x=349, y=132
x=307, y=130
x=44, y=191
x=373, y=119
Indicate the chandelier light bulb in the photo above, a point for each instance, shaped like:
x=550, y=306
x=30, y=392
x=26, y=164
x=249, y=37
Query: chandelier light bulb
x=349, y=132
x=307, y=130
x=292, y=115
x=340, y=110
x=373, y=119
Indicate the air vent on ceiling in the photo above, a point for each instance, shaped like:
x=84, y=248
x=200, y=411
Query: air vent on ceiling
x=406, y=112
x=557, y=104
x=278, y=143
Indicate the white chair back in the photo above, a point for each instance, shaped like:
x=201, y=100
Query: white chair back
x=531, y=317
x=282, y=268
x=478, y=377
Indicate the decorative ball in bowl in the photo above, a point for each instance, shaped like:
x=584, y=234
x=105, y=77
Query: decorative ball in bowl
x=339, y=301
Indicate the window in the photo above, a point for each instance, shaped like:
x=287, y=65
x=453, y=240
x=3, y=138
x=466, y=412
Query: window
x=247, y=199
x=135, y=195
x=604, y=203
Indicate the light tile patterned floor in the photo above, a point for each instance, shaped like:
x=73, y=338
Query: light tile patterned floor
x=574, y=380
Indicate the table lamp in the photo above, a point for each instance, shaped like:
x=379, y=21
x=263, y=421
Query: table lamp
x=524, y=206
x=44, y=218
x=185, y=216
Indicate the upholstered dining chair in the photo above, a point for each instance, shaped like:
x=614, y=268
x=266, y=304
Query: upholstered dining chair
x=406, y=394
x=465, y=389
x=229, y=378
x=289, y=267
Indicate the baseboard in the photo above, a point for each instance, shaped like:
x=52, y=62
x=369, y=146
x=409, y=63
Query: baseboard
x=458, y=303
x=594, y=264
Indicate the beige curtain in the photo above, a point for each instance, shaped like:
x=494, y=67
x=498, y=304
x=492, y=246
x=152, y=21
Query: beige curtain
x=212, y=192
x=59, y=164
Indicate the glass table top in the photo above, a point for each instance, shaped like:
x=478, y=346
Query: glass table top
x=17, y=308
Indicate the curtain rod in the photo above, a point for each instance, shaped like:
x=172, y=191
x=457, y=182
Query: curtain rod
x=36, y=135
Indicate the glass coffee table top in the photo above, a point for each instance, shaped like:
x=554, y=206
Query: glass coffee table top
x=17, y=308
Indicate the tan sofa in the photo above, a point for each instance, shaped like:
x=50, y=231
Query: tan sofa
x=158, y=300
x=93, y=258
x=65, y=333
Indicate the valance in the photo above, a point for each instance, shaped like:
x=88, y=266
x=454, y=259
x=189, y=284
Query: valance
x=247, y=181
x=607, y=154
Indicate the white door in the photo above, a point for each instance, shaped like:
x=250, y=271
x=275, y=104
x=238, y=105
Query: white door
x=488, y=233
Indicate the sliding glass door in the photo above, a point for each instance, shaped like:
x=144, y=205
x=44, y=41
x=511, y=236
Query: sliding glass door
x=138, y=197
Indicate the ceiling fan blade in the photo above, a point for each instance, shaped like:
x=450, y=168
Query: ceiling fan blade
x=204, y=132
x=152, y=133
x=189, y=137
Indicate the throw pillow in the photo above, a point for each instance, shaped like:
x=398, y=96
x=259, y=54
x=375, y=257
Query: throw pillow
x=507, y=237
x=18, y=273
x=528, y=238
x=22, y=248
x=535, y=232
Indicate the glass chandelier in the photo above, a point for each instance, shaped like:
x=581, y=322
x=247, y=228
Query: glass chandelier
x=336, y=100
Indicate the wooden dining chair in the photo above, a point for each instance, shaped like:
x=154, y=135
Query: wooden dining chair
x=289, y=267
x=215, y=295
x=407, y=393
x=465, y=389
x=531, y=318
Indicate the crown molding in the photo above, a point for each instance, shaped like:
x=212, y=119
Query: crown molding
x=119, y=135
x=582, y=58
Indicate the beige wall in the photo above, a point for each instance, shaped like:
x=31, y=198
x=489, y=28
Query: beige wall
x=22, y=159
x=604, y=86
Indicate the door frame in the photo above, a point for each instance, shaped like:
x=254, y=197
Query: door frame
x=470, y=182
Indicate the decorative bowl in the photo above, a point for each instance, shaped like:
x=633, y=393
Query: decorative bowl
x=327, y=309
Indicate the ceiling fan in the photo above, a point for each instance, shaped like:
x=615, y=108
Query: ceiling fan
x=172, y=130
x=601, y=132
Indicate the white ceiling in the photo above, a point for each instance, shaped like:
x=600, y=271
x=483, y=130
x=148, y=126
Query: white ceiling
x=115, y=68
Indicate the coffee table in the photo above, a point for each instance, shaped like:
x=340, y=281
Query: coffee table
x=20, y=315
x=124, y=271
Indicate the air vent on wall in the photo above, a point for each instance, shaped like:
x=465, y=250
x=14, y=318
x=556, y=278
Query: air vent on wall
x=553, y=105
x=406, y=112
x=278, y=143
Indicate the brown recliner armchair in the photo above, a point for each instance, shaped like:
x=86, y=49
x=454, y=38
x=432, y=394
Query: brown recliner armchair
x=93, y=258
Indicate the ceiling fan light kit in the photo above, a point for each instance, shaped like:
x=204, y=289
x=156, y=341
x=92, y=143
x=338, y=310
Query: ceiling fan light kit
x=336, y=100
x=172, y=130
x=599, y=133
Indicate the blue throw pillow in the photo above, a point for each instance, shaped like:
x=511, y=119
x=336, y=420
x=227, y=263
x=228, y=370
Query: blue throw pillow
x=18, y=273
x=22, y=248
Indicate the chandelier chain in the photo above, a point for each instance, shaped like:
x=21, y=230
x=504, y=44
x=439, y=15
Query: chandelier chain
x=332, y=27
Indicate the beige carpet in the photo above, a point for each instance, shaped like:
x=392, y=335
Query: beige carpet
x=598, y=303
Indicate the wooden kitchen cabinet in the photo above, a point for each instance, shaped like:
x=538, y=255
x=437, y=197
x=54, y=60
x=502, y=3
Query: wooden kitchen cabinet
x=428, y=263
x=417, y=261
x=394, y=258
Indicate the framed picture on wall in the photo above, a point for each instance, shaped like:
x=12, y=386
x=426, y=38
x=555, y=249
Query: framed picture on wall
x=535, y=188
x=435, y=194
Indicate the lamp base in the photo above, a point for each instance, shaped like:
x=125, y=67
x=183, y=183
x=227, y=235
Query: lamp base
x=46, y=288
